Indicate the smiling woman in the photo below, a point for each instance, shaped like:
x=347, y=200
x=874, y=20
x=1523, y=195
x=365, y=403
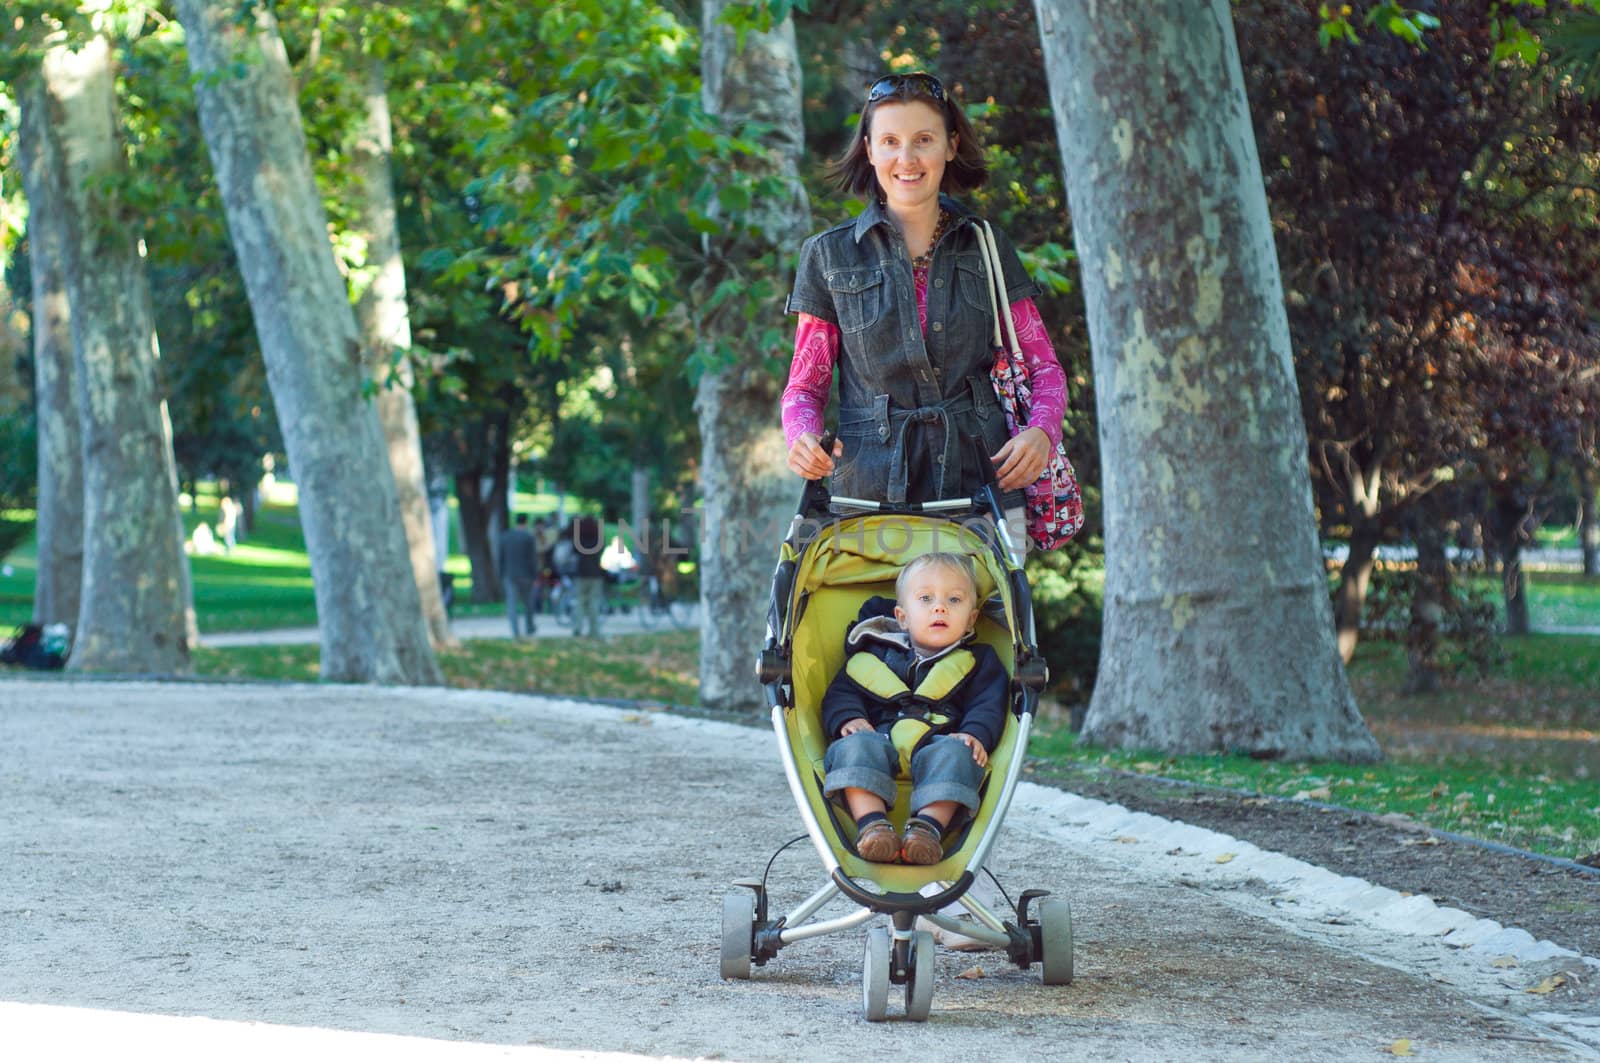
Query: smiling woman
x=899, y=300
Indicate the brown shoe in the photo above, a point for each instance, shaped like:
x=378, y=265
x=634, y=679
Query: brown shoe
x=878, y=842
x=921, y=843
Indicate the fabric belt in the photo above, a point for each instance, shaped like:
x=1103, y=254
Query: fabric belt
x=897, y=421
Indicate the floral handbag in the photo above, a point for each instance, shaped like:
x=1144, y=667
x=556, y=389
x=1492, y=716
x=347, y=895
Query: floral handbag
x=1054, y=504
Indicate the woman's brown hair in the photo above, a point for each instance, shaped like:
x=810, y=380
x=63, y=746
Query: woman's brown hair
x=853, y=172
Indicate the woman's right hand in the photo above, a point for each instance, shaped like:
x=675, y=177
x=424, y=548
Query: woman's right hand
x=807, y=457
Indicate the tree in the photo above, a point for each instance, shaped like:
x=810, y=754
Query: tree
x=135, y=614
x=1416, y=183
x=742, y=448
x=368, y=609
x=58, y=526
x=1218, y=632
x=386, y=326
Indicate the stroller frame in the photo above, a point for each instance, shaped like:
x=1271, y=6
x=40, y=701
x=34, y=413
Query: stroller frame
x=903, y=954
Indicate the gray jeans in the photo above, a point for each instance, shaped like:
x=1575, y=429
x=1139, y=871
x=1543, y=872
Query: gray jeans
x=942, y=770
x=519, y=599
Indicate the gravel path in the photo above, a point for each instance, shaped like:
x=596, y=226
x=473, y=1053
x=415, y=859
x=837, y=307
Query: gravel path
x=490, y=875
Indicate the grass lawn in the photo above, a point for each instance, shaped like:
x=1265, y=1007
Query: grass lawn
x=660, y=667
x=1512, y=757
x=264, y=583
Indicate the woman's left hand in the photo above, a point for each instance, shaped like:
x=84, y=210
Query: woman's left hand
x=1022, y=460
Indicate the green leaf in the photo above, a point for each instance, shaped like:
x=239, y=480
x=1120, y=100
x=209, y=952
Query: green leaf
x=734, y=198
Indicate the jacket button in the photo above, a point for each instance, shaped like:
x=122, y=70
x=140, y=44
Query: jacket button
x=938, y=326
x=939, y=283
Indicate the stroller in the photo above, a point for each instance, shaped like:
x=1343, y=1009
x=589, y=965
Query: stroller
x=838, y=553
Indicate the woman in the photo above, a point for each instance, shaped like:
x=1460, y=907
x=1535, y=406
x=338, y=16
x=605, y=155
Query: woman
x=898, y=299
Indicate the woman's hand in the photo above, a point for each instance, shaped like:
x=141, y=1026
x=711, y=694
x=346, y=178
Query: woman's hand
x=808, y=458
x=979, y=754
x=1020, y=462
x=858, y=724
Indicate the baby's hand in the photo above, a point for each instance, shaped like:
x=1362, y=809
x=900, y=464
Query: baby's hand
x=858, y=724
x=979, y=754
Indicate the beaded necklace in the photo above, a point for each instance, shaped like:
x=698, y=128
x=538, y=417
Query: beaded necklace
x=923, y=261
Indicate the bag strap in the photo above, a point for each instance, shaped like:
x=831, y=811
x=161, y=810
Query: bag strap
x=997, y=291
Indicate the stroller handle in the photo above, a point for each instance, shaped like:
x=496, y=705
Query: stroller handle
x=816, y=500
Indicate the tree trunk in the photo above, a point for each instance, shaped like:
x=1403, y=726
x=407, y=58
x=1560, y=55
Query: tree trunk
x=1218, y=631
x=368, y=608
x=646, y=548
x=748, y=494
x=1351, y=597
x=1430, y=591
x=133, y=597
x=475, y=518
x=58, y=527
x=1588, y=521
x=386, y=327
x=1509, y=522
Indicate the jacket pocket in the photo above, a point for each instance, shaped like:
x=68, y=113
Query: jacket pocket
x=972, y=285
x=858, y=298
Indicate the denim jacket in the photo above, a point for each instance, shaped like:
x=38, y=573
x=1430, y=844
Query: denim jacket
x=905, y=399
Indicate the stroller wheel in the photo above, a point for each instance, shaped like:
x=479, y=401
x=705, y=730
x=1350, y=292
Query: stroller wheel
x=875, y=976
x=919, y=979
x=1055, y=941
x=738, y=923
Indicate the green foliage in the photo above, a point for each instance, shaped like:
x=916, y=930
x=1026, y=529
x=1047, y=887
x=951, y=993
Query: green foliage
x=19, y=461
x=1469, y=620
x=1574, y=47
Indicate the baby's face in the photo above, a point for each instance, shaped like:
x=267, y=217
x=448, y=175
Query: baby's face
x=938, y=608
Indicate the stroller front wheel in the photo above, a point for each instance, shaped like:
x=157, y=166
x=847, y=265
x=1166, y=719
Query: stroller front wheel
x=919, y=978
x=875, y=976
x=738, y=926
x=1055, y=942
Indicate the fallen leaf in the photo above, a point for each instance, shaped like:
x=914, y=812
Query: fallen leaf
x=1401, y=1047
x=1127, y=839
x=971, y=973
x=1224, y=858
x=1321, y=793
x=1550, y=985
x=1503, y=961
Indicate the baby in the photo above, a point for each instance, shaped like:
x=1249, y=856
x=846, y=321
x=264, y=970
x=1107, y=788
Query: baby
x=917, y=698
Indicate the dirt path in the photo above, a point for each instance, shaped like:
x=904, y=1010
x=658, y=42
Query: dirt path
x=486, y=867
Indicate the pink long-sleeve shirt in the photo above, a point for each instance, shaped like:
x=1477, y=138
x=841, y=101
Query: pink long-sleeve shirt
x=816, y=352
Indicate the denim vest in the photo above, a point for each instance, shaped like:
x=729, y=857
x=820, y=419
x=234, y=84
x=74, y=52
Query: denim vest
x=906, y=400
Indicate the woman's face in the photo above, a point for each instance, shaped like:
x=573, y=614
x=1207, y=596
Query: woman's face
x=908, y=148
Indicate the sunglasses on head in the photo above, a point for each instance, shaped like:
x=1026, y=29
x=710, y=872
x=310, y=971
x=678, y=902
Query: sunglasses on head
x=905, y=85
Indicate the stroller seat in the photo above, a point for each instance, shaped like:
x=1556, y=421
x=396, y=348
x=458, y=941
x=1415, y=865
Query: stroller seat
x=827, y=568
x=843, y=572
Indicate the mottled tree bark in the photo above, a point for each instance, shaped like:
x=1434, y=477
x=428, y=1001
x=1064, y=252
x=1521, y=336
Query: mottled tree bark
x=386, y=326
x=134, y=595
x=1509, y=523
x=368, y=607
x=1218, y=631
x=748, y=494
x=58, y=527
x=476, y=516
x=1351, y=596
x=1430, y=591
